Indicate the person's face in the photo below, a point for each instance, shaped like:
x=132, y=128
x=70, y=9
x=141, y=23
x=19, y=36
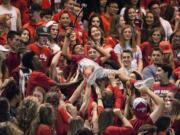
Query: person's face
x=126, y=59
x=47, y=18
x=65, y=19
x=54, y=31
x=160, y=74
x=95, y=22
x=121, y=21
x=176, y=40
x=39, y=95
x=43, y=40
x=156, y=9
x=127, y=33
x=149, y=19
x=72, y=36
x=77, y=10
x=157, y=57
x=69, y=5
x=15, y=42
x=79, y=49
x=92, y=54
x=132, y=14
x=113, y=8
x=25, y=36
x=156, y=37
x=168, y=101
x=95, y=33
x=34, y=15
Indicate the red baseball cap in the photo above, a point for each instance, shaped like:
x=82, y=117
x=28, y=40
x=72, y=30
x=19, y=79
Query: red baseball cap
x=165, y=46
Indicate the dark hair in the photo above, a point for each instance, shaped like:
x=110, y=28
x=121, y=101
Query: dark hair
x=126, y=15
x=102, y=33
x=84, y=131
x=156, y=23
x=45, y=111
x=158, y=50
x=5, y=109
x=108, y=100
x=153, y=2
x=127, y=51
x=11, y=90
x=169, y=13
x=160, y=29
x=52, y=98
x=167, y=68
x=91, y=18
x=163, y=123
x=138, y=4
x=46, y=12
x=105, y=120
x=27, y=59
x=12, y=34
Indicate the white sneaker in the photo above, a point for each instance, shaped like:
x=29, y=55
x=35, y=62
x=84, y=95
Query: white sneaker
x=144, y=83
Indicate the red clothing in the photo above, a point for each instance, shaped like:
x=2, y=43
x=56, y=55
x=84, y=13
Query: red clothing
x=114, y=130
x=44, y=130
x=176, y=126
x=176, y=74
x=137, y=123
x=147, y=50
x=38, y=79
x=32, y=28
x=61, y=122
x=12, y=61
x=46, y=4
x=43, y=53
x=106, y=23
x=163, y=90
x=110, y=42
x=118, y=96
x=3, y=38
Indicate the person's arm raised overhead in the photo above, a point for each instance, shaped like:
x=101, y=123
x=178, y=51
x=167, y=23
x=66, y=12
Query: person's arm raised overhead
x=158, y=103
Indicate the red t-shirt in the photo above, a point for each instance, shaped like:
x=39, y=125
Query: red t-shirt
x=61, y=122
x=43, y=53
x=114, y=130
x=106, y=23
x=44, y=130
x=137, y=123
x=38, y=79
x=161, y=91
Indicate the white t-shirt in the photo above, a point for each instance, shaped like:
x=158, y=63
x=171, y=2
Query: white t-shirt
x=136, y=55
x=13, y=14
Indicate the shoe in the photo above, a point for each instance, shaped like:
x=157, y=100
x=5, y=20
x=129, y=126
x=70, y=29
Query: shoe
x=144, y=83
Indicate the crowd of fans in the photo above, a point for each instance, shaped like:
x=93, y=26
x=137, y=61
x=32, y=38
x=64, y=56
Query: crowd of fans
x=89, y=67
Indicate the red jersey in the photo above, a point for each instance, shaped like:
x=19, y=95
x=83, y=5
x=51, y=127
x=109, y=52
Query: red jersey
x=161, y=90
x=137, y=123
x=43, y=53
